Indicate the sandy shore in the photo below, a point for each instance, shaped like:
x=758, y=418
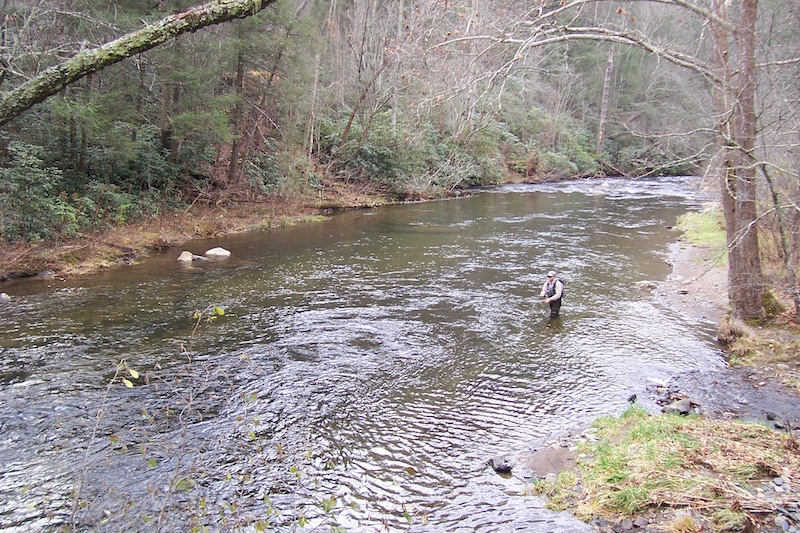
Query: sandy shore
x=698, y=285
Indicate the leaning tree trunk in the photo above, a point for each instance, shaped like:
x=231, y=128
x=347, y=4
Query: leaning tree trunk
x=55, y=78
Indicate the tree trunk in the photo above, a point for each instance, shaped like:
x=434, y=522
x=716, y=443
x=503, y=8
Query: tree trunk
x=236, y=119
x=309, y=138
x=604, y=105
x=744, y=271
x=736, y=133
x=55, y=78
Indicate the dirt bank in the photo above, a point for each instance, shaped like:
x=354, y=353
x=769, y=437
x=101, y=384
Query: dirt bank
x=125, y=245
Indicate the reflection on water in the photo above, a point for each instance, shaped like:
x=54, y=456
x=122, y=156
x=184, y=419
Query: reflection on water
x=380, y=358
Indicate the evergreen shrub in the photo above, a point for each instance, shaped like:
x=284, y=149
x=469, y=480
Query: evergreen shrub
x=33, y=206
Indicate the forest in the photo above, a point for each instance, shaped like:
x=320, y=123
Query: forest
x=121, y=111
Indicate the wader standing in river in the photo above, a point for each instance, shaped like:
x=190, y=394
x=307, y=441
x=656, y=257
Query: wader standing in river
x=552, y=290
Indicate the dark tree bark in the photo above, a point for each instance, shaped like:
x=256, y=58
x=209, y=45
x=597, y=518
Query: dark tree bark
x=735, y=107
x=744, y=272
x=52, y=80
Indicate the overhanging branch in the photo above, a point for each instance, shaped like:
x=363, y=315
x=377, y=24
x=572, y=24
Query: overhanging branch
x=57, y=77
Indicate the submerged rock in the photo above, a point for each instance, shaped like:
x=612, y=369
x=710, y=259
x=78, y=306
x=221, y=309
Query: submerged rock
x=500, y=464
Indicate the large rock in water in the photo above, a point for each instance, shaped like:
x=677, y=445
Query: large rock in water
x=218, y=254
x=185, y=257
x=188, y=257
x=500, y=464
x=4, y=298
x=681, y=407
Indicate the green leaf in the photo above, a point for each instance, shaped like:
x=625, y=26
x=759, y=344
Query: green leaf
x=302, y=521
x=127, y=383
x=219, y=311
x=134, y=373
x=329, y=504
x=152, y=462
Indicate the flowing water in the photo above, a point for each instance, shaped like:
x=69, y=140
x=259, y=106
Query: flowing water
x=379, y=357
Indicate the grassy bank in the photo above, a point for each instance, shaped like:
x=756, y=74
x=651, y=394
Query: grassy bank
x=680, y=474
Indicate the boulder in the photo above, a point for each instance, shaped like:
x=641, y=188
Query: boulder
x=218, y=253
x=185, y=257
x=500, y=464
x=680, y=407
x=4, y=298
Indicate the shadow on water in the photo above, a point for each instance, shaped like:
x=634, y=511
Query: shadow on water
x=364, y=371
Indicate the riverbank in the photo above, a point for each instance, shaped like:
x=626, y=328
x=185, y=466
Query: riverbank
x=125, y=245
x=734, y=468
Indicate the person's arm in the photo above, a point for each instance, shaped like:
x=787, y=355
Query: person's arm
x=544, y=290
x=559, y=290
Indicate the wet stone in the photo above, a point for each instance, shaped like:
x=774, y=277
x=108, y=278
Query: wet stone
x=626, y=525
x=500, y=464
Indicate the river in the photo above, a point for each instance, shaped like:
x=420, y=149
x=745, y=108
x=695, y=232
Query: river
x=364, y=371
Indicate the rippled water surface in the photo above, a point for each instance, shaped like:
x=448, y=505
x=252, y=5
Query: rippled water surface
x=379, y=357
